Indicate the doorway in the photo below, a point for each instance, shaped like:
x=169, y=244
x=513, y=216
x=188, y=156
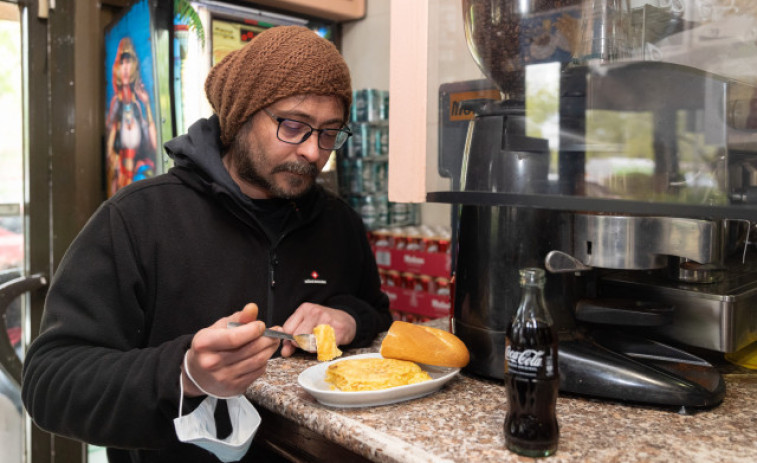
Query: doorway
x=39, y=216
x=12, y=236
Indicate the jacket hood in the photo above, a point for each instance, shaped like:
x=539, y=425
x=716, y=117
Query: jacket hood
x=200, y=150
x=198, y=154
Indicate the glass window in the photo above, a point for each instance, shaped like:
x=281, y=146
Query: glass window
x=11, y=218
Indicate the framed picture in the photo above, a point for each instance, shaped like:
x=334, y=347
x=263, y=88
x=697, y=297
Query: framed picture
x=227, y=36
x=132, y=118
x=206, y=31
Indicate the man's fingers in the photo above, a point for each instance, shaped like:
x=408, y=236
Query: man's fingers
x=287, y=349
x=220, y=338
x=243, y=335
x=249, y=313
x=293, y=321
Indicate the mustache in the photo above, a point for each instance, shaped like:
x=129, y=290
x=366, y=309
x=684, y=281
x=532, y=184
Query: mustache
x=297, y=168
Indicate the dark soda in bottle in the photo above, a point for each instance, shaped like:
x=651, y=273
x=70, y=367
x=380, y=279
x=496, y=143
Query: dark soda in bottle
x=531, y=375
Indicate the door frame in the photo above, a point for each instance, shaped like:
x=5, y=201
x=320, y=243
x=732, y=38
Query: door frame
x=63, y=86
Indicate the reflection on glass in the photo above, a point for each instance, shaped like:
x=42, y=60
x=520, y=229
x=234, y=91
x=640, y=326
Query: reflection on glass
x=11, y=222
x=645, y=100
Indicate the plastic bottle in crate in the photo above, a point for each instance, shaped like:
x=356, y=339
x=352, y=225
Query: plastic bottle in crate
x=356, y=185
x=367, y=210
x=384, y=105
x=399, y=213
x=359, y=109
x=381, y=176
x=369, y=179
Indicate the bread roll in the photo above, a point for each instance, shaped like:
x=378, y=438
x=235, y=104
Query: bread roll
x=423, y=344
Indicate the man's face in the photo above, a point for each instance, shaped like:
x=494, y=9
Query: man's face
x=266, y=167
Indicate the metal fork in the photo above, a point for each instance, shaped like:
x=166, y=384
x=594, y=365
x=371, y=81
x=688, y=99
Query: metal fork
x=305, y=342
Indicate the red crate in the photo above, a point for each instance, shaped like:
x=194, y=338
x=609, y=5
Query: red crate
x=418, y=302
x=435, y=264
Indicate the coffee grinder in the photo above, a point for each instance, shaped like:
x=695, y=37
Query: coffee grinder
x=646, y=237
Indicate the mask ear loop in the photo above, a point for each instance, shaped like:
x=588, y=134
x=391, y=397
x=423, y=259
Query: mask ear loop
x=181, y=393
x=189, y=375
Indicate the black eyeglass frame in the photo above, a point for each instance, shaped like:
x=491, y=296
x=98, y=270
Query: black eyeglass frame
x=307, y=135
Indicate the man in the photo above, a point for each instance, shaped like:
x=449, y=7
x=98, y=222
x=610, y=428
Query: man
x=236, y=231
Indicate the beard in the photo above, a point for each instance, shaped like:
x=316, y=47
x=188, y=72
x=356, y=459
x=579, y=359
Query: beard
x=252, y=164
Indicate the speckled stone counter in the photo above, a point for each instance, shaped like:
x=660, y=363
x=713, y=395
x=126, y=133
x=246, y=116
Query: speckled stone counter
x=463, y=422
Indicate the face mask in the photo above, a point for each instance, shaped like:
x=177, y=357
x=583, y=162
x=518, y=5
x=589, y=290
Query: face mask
x=198, y=427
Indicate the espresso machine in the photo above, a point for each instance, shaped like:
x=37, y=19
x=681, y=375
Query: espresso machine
x=640, y=202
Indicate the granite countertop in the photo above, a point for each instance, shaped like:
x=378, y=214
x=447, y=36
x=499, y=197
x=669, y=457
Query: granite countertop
x=463, y=422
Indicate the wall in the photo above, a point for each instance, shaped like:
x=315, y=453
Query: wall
x=448, y=61
x=365, y=46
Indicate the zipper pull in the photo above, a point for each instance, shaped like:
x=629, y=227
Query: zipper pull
x=272, y=270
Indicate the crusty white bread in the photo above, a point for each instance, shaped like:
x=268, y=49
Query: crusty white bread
x=424, y=344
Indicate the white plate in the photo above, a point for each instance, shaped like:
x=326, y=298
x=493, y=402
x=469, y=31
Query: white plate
x=313, y=380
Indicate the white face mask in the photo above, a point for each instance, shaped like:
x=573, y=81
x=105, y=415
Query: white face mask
x=199, y=428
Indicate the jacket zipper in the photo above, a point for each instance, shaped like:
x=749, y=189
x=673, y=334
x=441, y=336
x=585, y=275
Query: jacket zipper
x=272, y=262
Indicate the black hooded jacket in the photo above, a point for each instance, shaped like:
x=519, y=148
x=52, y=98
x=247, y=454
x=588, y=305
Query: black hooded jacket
x=163, y=258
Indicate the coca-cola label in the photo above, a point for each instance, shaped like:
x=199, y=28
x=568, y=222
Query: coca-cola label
x=530, y=363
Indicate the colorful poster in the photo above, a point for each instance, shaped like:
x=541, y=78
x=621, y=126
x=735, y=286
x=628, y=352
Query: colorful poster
x=132, y=138
x=228, y=36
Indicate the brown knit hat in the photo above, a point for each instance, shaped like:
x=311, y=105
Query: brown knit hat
x=280, y=62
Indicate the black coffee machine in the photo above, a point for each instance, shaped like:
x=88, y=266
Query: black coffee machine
x=647, y=245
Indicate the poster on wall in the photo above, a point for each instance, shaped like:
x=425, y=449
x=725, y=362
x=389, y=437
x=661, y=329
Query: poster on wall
x=228, y=36
x=132, y=138
x=204, y=32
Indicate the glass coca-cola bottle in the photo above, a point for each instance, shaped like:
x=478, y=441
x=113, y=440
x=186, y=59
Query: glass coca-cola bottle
x=531, y=374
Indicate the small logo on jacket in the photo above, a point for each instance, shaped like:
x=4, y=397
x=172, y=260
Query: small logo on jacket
x=314, y=279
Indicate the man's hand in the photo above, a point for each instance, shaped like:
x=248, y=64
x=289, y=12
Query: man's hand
x=309, y=315
x=226, y=361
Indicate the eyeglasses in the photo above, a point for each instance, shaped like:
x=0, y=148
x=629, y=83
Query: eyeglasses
x=296, y=132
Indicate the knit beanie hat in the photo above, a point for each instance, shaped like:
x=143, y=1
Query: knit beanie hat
x=282, y=61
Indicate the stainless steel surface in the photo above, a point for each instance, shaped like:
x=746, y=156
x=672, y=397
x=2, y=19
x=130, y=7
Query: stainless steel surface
x=306, y=342
x=561, y=262
x=632, y=242
x=687, y=271
x=720, y=316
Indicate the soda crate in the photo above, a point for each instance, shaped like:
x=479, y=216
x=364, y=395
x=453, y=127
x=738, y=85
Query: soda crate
x=436, y=264
x=418, y=302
